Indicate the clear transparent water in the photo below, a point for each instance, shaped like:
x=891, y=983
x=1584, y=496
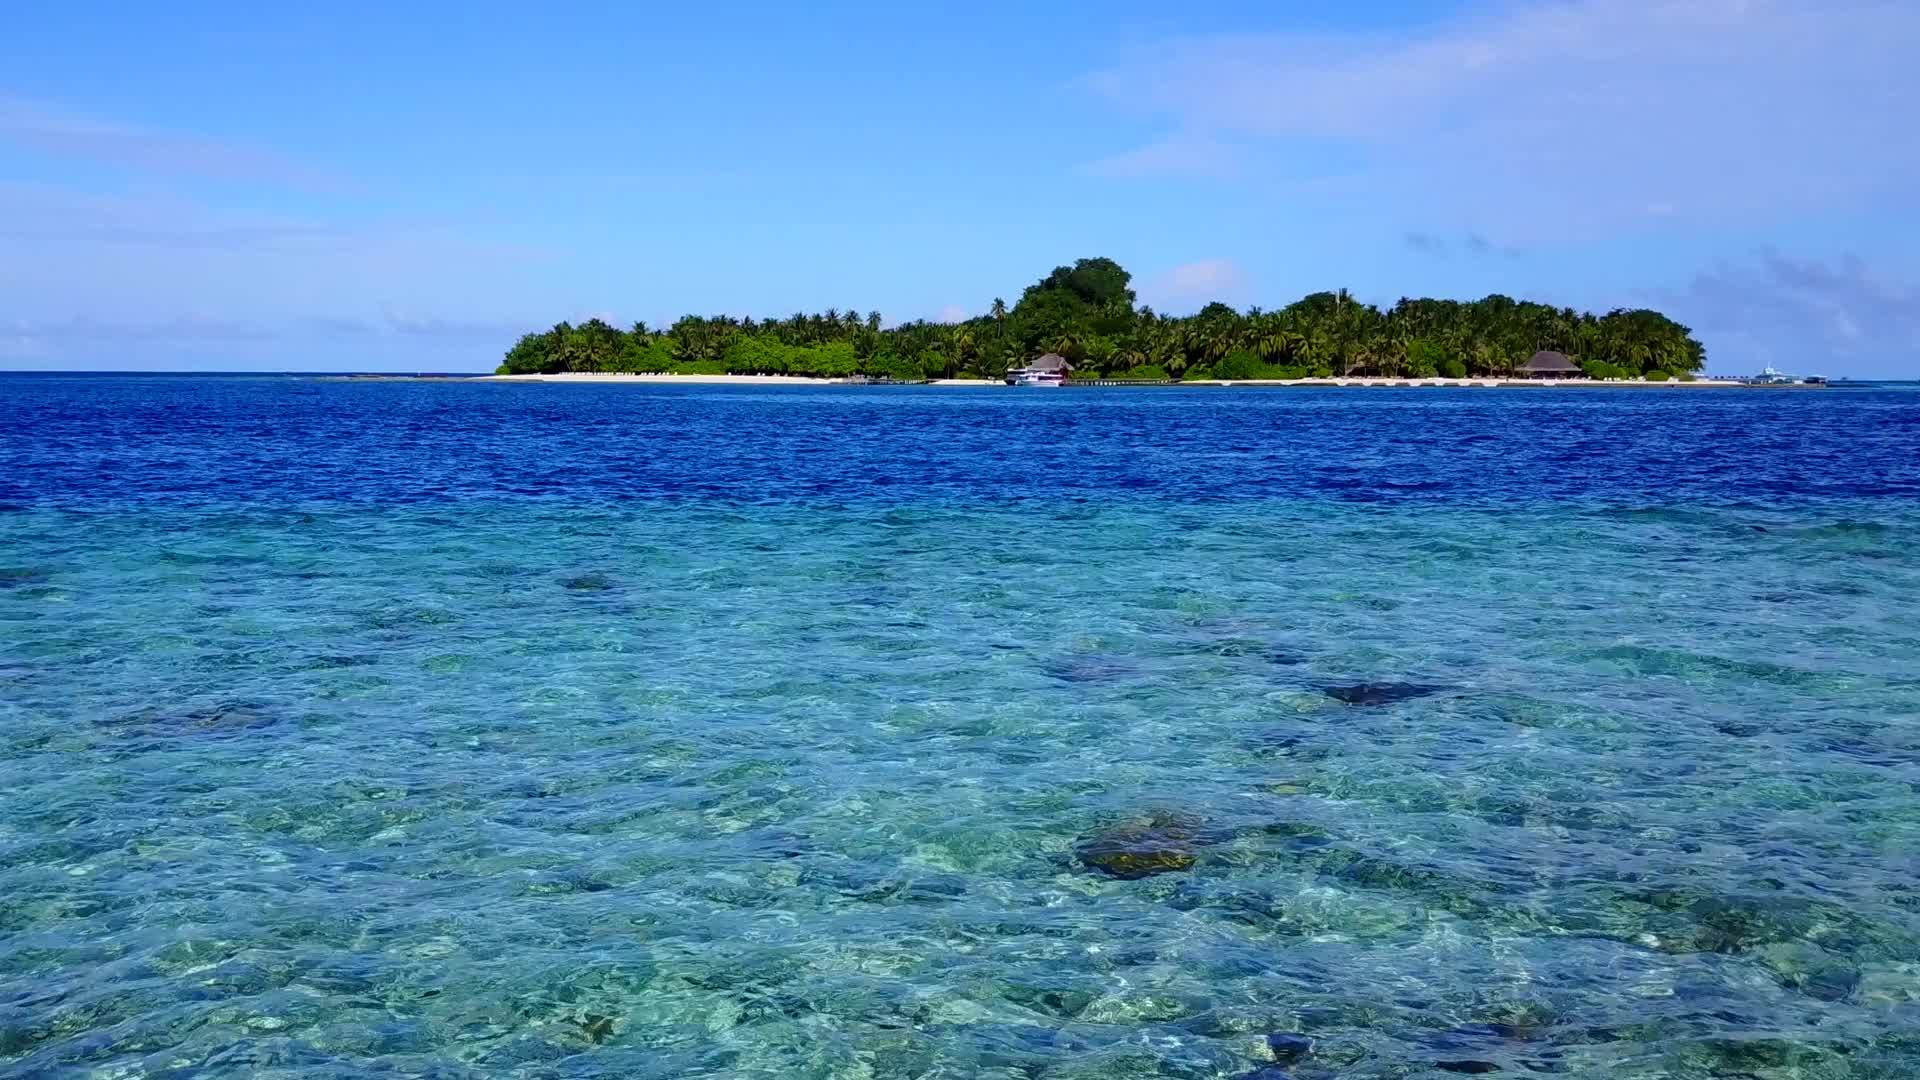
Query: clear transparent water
x=447, y=730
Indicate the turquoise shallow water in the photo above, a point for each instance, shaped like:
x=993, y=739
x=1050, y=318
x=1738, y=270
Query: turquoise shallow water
x=774, y=770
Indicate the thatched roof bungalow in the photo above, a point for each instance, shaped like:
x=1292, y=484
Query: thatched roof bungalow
x=1547, y=364
x=1049, y=370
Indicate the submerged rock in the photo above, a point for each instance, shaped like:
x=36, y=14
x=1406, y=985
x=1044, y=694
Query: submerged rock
x=589, y=583
x=597, y=1028
x=1380, y=693
x=1062, y=1000
x=15, y=577
x=1437, y=888
x=1086, y=669
x=1866, y=752
x=1289, y=745
x=1162, y=844
x=1737, y=1057
x=1288, y=1047
x=1236, y=647
x=1465, y=1049
x=230, y=716
x=223, y=718
x=1732, y=925
x=1685, y=920
x=1831, y=982
x=331, y=661
x=564, y=884
x=778, y=843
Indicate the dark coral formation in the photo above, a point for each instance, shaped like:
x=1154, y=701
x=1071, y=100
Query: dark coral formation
x=1160, y=844
x=1380, y=693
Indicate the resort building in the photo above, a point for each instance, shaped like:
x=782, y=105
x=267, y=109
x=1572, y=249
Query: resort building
x=1547, y=364
x=1049, y=370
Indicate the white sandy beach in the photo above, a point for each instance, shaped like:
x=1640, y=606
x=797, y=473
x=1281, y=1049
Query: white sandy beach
x=1483, y=381
x=801, y=380
x=621, y=377
x=775, y=380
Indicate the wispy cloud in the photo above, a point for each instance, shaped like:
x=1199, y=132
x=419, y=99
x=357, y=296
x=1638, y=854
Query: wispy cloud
x=66, y=133
x=1837, y=316
x=407, y=324
x=1185, y=154
x=1194, y=283
x=1572, y=116
x=182, y=328
x=57, y=217
x=206, y=329
x=1471, y=243
x=32, y=214
x=387, y=340
x=120, y=277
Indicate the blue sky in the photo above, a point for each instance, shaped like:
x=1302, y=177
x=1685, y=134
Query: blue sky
x=407, y=187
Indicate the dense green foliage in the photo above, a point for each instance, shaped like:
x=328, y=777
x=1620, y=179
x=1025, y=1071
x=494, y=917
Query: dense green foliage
x=1088, y=313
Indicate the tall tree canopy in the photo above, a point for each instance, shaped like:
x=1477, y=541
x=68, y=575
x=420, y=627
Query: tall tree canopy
x=1088, y=312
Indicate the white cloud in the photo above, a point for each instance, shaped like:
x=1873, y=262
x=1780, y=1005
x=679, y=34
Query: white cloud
x=130, y=281
x=1185, y=153
x=63, y=132
x=1835, y=317
x=1195, y=283
x=23, y=339
x=171, y=254
x=952, y=313
x=58, y=217
x=1471, y=243
x=28, y=335
x=1574, y=116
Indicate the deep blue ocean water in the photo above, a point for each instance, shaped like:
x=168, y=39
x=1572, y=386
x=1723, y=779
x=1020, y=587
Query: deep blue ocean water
x=461, y=729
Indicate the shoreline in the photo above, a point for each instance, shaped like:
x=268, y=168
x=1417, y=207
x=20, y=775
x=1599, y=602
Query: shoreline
x=1383, y=382
x=658, y=377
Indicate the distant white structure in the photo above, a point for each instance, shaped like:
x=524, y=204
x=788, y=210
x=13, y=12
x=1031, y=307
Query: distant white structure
x=1048, y=370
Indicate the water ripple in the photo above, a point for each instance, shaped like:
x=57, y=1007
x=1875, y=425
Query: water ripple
x=512, y=766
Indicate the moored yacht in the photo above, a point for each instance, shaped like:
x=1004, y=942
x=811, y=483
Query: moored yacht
x=1048, y=370
x=1769, y=376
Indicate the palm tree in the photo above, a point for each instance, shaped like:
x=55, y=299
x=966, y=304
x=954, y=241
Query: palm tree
x=960, y=345
x=1100, y=352
x=1641, y=354
x=1391, y=342
x=1361, y=356
x=1320, y=350
x=1221, y=338
x=1271, y=342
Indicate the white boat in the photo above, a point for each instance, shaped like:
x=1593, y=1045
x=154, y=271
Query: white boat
x=1030, y=377
x=1769, y=376
x=1048, y=370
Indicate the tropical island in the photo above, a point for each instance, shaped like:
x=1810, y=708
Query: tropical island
x=1088, y=314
